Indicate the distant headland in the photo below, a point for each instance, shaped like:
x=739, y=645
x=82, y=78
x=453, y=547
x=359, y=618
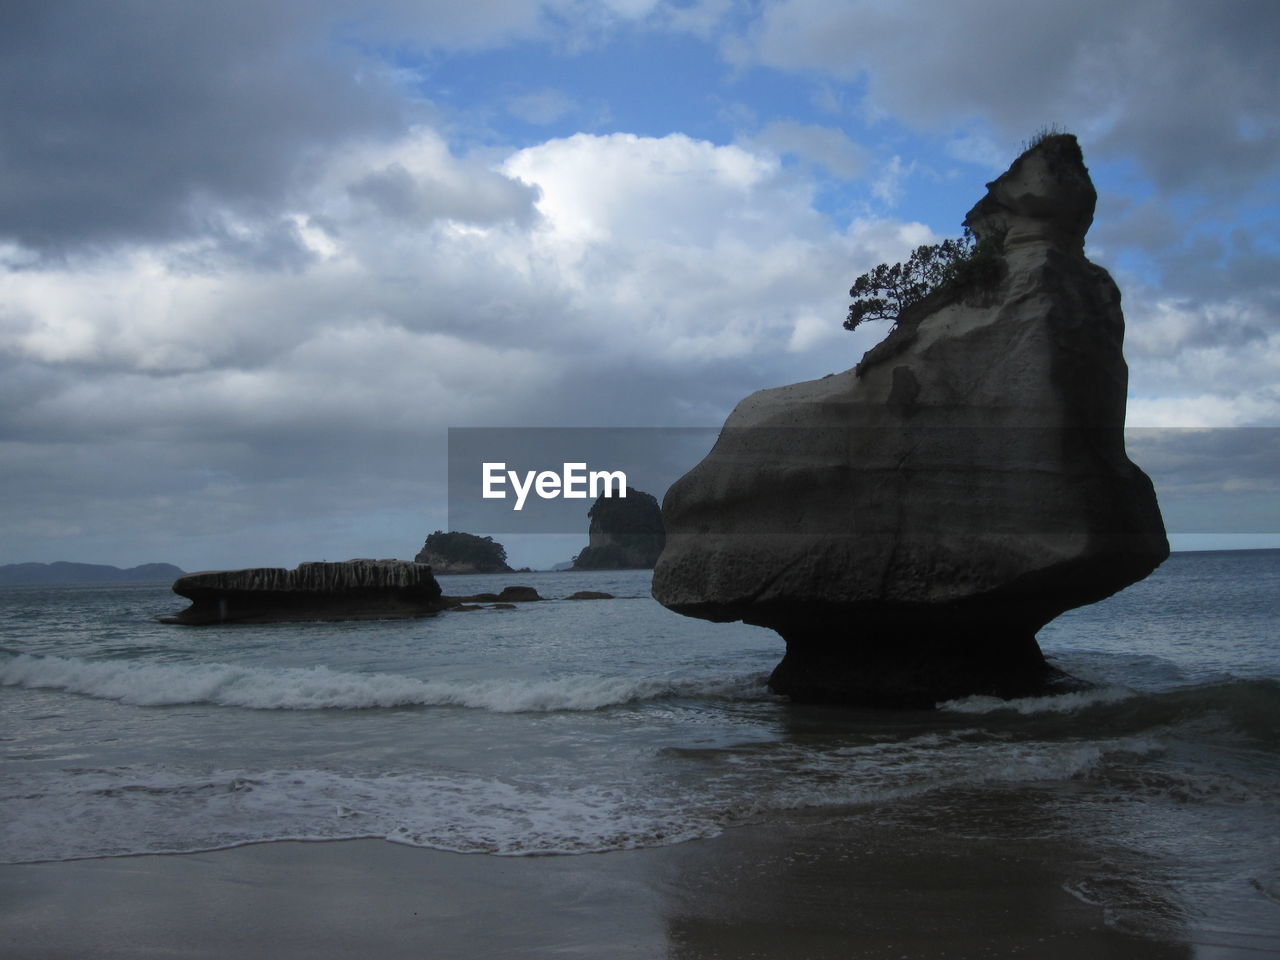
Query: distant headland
x=40, y=574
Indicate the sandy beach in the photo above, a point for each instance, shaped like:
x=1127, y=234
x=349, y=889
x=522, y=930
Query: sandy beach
x=782, y=892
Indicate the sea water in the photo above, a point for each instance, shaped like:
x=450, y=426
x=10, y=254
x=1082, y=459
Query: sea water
x=576, y=726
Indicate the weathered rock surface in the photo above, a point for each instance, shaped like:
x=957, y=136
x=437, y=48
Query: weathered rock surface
x=909, y=525
x=353, y=590
x=626, y=533
x=459, y=567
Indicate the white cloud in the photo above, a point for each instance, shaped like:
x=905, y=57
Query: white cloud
x=651, y=248
x=674, y=189
x=889, y=185
x=1199, y=364
x=1206, y=410
x=692, y=251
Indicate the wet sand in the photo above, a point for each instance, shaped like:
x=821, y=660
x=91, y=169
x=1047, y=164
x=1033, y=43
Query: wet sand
x=797, y=891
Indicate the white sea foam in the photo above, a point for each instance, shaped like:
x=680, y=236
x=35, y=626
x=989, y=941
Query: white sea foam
x=686, y=795
x=933, y=761
x=1057, y=703
x=316, y=688
x=119, y=811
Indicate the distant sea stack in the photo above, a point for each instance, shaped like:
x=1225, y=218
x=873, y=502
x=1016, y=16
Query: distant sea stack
x=909, y=525
x=353, y=590
x=626, y=533
x=31, y=574
x=458, y=552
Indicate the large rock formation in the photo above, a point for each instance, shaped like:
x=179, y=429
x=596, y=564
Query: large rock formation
x=909, y=525
x=354, y=590
x=626, y=533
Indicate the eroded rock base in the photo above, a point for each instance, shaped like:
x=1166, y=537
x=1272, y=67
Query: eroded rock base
x=910, y=670
x=350, y=590
x=233, y=607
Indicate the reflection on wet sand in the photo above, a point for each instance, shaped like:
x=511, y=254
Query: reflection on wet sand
x=858, y=890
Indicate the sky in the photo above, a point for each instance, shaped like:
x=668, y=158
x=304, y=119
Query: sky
x=256, y=259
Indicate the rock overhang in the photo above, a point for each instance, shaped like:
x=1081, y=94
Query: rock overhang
x=962, y=486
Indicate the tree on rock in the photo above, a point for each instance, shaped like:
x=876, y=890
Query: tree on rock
x=457, y=552
x=886, y=291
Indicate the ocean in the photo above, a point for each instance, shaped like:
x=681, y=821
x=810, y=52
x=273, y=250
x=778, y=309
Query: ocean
x=574, y=727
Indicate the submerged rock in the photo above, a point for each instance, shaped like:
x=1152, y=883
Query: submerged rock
x=353, y=590
x=909, y=525
x=626, y=533
x=512, y=594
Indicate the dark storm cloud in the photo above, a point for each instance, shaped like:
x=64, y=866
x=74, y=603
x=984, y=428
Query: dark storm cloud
x=1197, y=98
x=1220, y=268
x=142, y=121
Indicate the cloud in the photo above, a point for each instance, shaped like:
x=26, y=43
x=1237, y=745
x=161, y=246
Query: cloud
x=826, y=146
x=139, y=128
x=693, y=251
x=418, y=180
x=1185, y=88
x=150, y=123
x=889, y=185
x=583, y=280
x=249, y=273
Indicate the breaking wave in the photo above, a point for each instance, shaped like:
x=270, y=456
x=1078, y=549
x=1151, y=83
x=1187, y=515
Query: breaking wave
x=320, y=688
x=1248, y=706
x=1057, y=703
x=689, y=794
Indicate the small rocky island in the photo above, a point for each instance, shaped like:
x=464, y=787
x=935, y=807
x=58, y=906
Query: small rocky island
x=908, y=526
x=626, y=533
x=352, y=590
x=458, y=552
